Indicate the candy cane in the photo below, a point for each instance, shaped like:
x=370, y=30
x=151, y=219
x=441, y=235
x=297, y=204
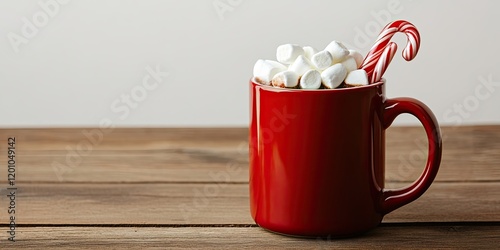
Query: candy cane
x=410, y=51
x=383, y=62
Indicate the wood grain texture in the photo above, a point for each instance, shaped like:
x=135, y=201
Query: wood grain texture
x=214, y=204
x=193, y=155
x=160, y=188
x=383, y=237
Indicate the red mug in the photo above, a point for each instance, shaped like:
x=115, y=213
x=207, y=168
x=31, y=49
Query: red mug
x=317, y=158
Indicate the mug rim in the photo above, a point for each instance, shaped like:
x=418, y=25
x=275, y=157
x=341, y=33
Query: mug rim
x=351, y=89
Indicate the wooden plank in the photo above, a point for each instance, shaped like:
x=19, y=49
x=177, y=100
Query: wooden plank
x=168, y=165
x=469, y=153
x=393, y=237
x=129, y=155
x=193, y=155
x=44, y=139
x=194, y=203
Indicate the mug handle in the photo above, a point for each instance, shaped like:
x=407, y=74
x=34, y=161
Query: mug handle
x=393, y=199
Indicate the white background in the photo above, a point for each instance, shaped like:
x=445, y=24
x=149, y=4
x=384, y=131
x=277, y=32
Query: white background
x=86, y=54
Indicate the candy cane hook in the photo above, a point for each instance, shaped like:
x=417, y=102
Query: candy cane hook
x=409, y=52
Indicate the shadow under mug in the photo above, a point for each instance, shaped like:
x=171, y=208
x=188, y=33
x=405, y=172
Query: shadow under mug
x=317, y=158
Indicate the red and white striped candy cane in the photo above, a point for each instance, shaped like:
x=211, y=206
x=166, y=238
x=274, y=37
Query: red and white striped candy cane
x=383, y=62
x=409, y=52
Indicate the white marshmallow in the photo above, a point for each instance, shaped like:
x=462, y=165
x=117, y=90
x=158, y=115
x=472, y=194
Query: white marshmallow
x=322, y=60
x=264, y=70
x=301, y=65
x=285, y=79
x=357, y=56
x=357, y=78
x=287, y=53
x=277, y=64
x=350, y=64
x=309, y=51
x=333, y=76
x=338, y=51
x=311, y=80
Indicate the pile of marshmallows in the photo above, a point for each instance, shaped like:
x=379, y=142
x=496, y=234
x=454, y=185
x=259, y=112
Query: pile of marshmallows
x=306, y=68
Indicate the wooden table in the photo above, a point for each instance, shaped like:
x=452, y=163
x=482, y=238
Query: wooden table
x=181, y=188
